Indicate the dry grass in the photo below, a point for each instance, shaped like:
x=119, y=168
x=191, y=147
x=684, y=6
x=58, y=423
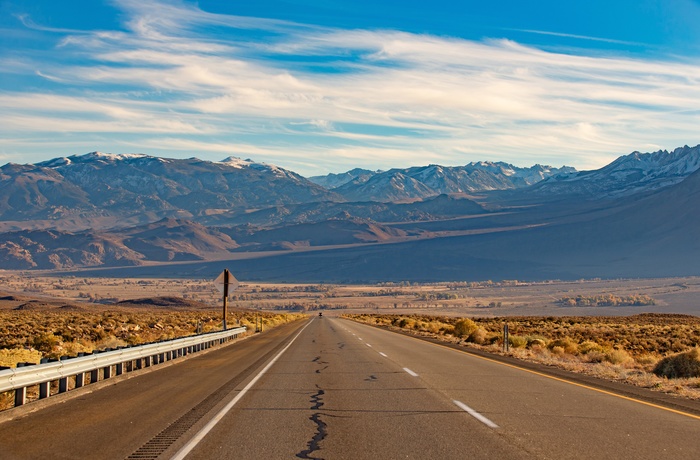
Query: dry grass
x=27, y=336
x=626, y=349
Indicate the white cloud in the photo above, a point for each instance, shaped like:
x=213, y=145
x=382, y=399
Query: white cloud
x=332, y=97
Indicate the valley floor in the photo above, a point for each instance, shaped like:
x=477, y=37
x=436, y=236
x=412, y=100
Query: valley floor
x=507, y=298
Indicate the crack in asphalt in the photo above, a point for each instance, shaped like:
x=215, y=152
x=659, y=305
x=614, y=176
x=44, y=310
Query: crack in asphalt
x=321, y=427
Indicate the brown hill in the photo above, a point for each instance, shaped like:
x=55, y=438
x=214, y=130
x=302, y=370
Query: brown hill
x=166, y=240
x=327, y=233
x=174, y=239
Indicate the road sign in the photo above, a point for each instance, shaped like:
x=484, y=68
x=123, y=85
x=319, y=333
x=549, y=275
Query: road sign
x=219, y=282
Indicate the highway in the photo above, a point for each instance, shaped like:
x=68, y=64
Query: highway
x=333, y=389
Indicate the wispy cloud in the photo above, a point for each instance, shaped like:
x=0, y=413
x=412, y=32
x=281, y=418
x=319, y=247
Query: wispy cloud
x=579, y=37
x=304, y=95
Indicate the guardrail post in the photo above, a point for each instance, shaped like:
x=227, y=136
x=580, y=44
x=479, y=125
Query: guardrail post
x=107, y=373
x=119, y=368
x=63, y=385
x=94, y=375
x=79, y=380
x=20, y=396
x=44, y=390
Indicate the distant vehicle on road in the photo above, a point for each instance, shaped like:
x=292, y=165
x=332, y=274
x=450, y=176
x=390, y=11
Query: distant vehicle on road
x=320, y=313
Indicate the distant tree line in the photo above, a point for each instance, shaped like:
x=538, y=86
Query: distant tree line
x=607, y=300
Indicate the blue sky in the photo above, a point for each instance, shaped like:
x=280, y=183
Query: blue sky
x=322, y=86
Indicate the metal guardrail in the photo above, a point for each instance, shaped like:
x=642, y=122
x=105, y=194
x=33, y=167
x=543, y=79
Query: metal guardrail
x=19, y=378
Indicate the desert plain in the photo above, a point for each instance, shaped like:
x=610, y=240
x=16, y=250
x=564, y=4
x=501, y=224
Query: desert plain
x=614, y=329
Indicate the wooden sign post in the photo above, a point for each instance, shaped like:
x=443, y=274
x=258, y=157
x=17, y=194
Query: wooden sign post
x=226, y=283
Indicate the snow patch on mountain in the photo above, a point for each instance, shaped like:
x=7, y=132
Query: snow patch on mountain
x=628, y=174
x=237, y=162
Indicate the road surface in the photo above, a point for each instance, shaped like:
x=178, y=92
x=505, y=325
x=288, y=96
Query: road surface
x=333, y=389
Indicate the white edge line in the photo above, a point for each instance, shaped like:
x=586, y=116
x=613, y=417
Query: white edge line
x=368, y=344
x=187, y=448
x=409, y=371
x=475, y=414
x=383, y=354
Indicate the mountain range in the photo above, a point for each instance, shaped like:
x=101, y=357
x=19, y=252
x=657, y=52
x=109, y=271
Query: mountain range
x=426, y=181
x=629, y=174
x=143, y=188
x=483, y=220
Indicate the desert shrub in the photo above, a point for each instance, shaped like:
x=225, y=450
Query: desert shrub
x=681, y=365
x=464, y=327
x=557, y=350
x=588, y=346
x=110, y=342
x=617, y=357
x=73, y=348
x=566, y=344
x=479, y=336
x=536, y=342
x=593, y=356
x=517, y=341
x=46, y=342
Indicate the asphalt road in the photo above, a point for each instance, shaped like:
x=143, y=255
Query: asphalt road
x=342, y=390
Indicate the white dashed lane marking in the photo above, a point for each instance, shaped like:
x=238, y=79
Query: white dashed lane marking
x=475, y=414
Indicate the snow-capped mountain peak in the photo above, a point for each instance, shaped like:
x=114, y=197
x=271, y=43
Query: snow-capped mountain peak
x=629, y=174
x=237, y=162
